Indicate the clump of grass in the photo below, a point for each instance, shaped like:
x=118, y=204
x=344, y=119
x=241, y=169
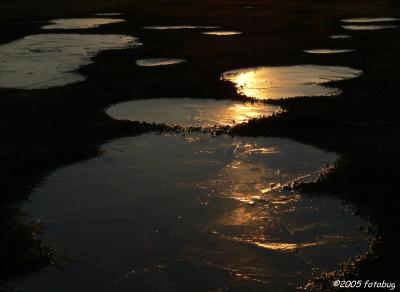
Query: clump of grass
x=21, y=248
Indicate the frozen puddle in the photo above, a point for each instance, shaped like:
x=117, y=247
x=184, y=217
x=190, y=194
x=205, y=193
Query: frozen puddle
x=289, y=81
x=222, y=33
x=48, y=60
x=175, y=27
x=369, y=19
x=328, y=51
x=340, y=36
x=190, y=112
x=80, y=23
x=368, y=27
x=153, y=62
x=193, y=213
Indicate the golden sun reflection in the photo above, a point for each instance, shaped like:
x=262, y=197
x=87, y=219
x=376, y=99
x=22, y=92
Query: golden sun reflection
x=290, y=81
x=242, y=112
x=191, y=112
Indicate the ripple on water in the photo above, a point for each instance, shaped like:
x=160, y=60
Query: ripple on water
x=328, y=51
x=80, y=23
x=169, y=211
x=190, y=112
x=288, y=81
x=153, y=62
x=48, y=60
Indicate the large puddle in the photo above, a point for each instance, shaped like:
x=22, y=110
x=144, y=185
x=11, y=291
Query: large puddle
x=48, y=60
x=168, y=213
x=154, y=62
x=289, y=81
x=80, y=23
x=190, y=112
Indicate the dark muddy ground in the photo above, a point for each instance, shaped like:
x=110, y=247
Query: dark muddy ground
x=41, y=130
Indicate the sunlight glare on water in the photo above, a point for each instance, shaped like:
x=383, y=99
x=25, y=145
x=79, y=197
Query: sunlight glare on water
x=289, y=81
x=192, y=112
x=170, y=211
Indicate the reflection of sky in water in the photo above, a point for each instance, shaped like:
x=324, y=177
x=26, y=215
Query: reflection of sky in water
x=290, y=81
x=156, y=212
x=190, y=111
x=173, y=27
x=370, y=19
x=80, y=23
x=153, y=62
x=222, y=33
x=340, y=36
x=368, y=27
x=109, y=14
x=328, y=51
x=48, y=60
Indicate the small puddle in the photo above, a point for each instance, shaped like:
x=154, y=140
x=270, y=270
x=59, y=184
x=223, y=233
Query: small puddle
x=80, y=23
x=109, y=14
x=48, y=60
x=370, y=19
x=175, y=27
x=340, y=36
x=193, y=212
x=288, y=81
x=158, y=62
x=368, y=27
x=222, y=33
x=328, y=51
x=190, y=112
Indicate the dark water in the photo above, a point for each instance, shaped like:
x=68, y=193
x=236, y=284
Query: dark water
x=191, y=213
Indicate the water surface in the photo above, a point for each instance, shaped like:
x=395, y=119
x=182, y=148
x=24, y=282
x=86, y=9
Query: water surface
x=168, y=213
x=190, y=112
x=328, y=51
x=368, y=27
x=109, y=14
x=80, y=23
x=48, y=60
x=370, y=19
x=176, y=27
x=153, y=62
x=288, y=81
x=222, y=33
x=340, y=36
